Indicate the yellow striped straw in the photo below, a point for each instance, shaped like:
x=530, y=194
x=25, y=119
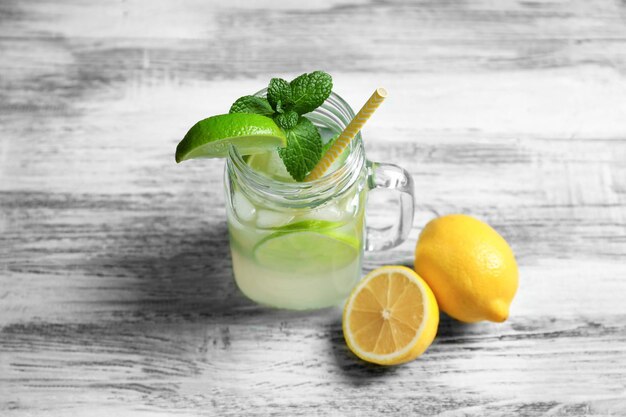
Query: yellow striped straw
x=348, y=134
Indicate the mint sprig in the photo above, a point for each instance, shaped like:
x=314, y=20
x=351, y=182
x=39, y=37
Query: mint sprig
x=286, y=103
x=309, y=91
x=279, y=95
x=286, y=120
x=303, y=150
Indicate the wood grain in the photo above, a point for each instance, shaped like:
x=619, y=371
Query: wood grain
x=116, y=290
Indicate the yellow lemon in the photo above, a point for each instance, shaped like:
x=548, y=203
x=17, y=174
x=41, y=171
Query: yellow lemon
x=469, y=266
x=391, y=316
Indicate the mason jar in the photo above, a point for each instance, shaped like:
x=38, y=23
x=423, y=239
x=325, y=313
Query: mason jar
x=299, y=245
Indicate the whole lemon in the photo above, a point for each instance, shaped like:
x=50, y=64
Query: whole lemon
x=469, y=266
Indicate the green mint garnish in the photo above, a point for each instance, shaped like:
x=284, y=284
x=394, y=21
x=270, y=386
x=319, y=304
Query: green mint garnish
x=279, y=107
x=303, y=95
x=287, y=120
x=303, y=150
x=279, y=94
x=309, y=91
x=252, y=104
x=286, y=103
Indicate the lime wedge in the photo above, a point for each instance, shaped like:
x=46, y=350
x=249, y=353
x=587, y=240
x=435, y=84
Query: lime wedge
x=300, y=249
x=271, y=165
x=211, y=138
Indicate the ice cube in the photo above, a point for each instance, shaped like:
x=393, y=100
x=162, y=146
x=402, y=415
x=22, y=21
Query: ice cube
x=243, y=207
x=269, y=218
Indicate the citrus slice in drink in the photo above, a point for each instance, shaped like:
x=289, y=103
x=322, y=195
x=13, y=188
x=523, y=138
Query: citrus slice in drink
x=391, y=317
x=307, y=247
x=271, y=165
x=211, y=138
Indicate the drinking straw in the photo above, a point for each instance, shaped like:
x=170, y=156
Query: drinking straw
x=348, y=134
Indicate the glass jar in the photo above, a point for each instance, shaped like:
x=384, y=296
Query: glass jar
x=300, y=245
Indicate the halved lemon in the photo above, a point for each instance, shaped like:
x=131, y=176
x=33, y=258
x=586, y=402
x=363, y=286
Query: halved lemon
x=391, y=317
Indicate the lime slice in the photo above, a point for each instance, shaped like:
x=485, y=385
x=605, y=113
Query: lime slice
x=270, y=164
x=308, y=226
x=301, y=249
x=211, y=138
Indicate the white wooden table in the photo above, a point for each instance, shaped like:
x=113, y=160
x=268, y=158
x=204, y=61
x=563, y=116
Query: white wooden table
x=116, y=290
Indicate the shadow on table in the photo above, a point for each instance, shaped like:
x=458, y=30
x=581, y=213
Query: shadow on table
x=356, y=371
x=178, y=273
x=167, y=272
x=451, y=329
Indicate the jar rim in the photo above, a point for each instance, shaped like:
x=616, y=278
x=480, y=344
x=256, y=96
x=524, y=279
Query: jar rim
x=310, y=192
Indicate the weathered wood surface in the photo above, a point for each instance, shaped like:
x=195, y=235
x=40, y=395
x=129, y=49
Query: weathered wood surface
x=116, y=293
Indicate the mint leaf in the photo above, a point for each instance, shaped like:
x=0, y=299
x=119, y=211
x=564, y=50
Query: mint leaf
x=309, y=91
x=327, y=145
x=303, y=150
x=287, y=120
x=279, y=93
x=279, y=107
x=252, y=104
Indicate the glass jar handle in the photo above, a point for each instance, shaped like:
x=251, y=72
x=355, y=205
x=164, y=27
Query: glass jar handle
x=393, y=178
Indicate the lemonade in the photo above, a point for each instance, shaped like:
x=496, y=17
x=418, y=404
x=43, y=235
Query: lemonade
x=290, y=260
x=295, y=257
